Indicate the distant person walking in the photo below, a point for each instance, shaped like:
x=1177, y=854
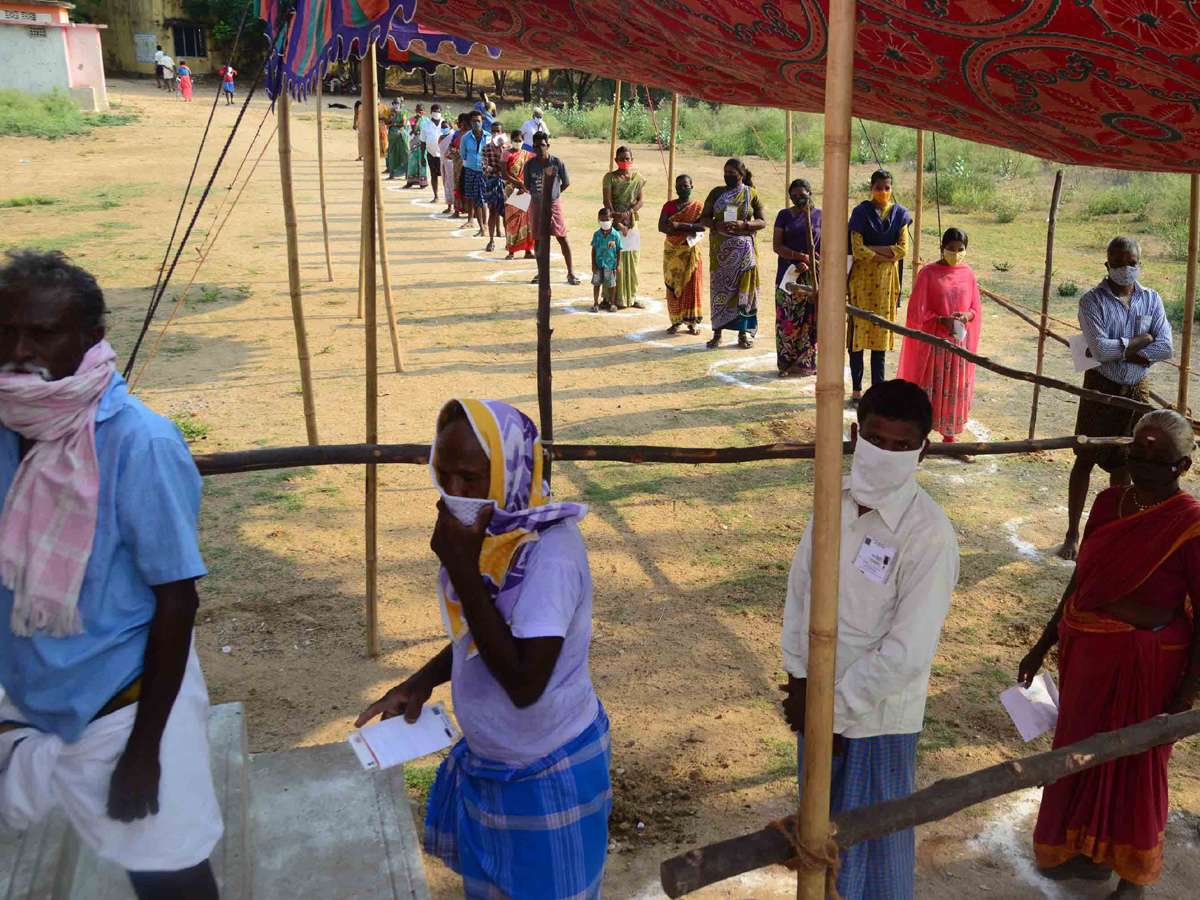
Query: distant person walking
x=944, y=303
x=623, y=197
x=1126, y=329
x=734, y=214
x=517, y=234
x=683, y=263
x=168, y=66
x=878, y=242
x=797, y=242
x=430, y=137
x=228, y=73
x=535, y=168
x=185, y=81
x=158, y=66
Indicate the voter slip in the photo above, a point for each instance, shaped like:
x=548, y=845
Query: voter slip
x=395, y=741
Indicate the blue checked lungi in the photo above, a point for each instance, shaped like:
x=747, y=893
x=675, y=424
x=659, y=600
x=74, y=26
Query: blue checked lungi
x=474, y=186
x=535, y=833
x=494, y=192
x=870, y=771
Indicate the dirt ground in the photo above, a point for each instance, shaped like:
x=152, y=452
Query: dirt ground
x=689, y=562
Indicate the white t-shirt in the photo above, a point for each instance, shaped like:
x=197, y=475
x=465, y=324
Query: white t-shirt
x=168, y=65
x=431, y=133
x=555, y=601
x=158, y=57
x=530, y=128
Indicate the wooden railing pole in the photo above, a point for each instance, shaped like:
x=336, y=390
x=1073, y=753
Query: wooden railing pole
x=370, y=180
x=1189, y=295
x=787, y=152
x=321, y=180
x=918, y=205
x=1045, y=296
x=612, y=138
x=671, y=152
x=545, y=391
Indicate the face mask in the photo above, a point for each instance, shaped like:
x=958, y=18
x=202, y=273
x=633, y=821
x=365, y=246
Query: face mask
x=954, y=257
x=624, y=164
x=1151, y=474
x=881, y=196
x=537, y=119
x=465, y=509
x=683, y=193
x=605, y=224
x=477, y=126
x=731, y=180
x=800, y=200
x=878, y=475
x=1125, y=275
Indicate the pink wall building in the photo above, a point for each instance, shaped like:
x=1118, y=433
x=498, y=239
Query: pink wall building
x=41, y=49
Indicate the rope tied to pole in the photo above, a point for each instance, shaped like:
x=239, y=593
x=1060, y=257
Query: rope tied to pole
x=827, y=861
x=654, y=122
x=760, y=141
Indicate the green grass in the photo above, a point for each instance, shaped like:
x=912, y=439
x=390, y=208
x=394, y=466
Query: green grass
x=1068, y=289
x=52, y=116
x=193, y=429
x=27, y=200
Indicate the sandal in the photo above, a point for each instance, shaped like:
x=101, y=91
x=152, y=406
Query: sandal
x=510, y=256
x=692, y=329
x=573, y=279
x=744, y=342
x=674, y=329
x=528, y=255
x=490, y=247
x=715, y=343
x=534, y=279
x=638, y=304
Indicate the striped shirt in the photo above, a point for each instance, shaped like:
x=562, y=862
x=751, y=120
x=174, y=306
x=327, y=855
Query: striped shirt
x=1108, y=325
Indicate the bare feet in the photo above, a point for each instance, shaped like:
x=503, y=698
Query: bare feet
x=510, y=256
x=692, y=329
x=528, y=255
x=638, y=304
x=1070, y=546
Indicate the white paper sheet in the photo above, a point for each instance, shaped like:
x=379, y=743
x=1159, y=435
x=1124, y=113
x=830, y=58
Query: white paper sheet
x=959, y=330
x=1034, y=710
x=392, y=742
x=694, y=239
x=1079, y=353
x=520, y=201
x=631, y=241
x=790, y=275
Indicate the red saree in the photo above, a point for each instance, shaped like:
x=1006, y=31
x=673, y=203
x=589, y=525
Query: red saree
x=1113, y=675
x=949, y=380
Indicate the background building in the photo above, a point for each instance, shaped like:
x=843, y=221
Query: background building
x=41, y=49
x=135, y=27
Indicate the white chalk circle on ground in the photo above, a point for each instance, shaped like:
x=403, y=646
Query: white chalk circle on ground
x=484, y=256
x=584, y=305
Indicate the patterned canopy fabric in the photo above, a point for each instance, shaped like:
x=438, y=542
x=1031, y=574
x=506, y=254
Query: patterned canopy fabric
x=1112, y=83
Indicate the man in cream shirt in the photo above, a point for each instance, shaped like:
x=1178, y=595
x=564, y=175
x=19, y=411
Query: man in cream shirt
x=899, y=565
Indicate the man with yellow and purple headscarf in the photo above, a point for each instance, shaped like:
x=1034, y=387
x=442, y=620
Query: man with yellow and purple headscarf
x=521, y=804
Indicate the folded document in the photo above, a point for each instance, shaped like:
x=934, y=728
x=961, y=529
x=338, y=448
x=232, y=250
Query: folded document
x=394, y=741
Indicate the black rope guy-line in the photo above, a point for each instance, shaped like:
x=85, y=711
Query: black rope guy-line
x=196, y=164
x=157, y=298
x=937, y=194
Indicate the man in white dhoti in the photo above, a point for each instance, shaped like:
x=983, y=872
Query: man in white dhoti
x=106, y=708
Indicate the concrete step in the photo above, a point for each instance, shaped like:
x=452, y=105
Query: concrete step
x=48, y=862
x=325, y=828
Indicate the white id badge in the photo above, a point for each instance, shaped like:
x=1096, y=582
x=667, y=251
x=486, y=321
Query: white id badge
x=731, y=214
x=875, y=559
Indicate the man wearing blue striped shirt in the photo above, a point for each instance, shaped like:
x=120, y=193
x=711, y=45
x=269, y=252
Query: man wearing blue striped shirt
x=1126, y=329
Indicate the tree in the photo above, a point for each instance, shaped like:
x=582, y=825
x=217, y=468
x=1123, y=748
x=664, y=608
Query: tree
x=501, y=79
x=223, y=17
x=578, y=84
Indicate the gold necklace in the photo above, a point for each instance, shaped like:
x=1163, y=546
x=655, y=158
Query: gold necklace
x=1142, y=507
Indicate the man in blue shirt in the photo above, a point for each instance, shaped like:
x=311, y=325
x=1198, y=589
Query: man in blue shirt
x=474, y=181
x=106, y=718
x=1126, y=329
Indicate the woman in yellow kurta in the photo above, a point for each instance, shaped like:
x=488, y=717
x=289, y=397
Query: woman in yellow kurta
x=878, y=242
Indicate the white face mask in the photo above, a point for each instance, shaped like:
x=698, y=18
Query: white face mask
x=877, y=475
x=437, y=117
x=466, y=509
x=605, y=224
x=1125, y=275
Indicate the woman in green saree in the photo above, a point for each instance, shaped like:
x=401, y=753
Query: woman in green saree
x=623, y=199
x=397, y=134
x=733, y=214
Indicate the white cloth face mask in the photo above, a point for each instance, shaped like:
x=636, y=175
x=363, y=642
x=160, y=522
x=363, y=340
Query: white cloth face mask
x=605, y=224
x=1125, y=275
x=465, y=509
x=878, y=475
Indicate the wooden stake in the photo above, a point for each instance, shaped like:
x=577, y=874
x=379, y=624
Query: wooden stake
x=321, y=178
x=370, y=176
x=544, y=377
x=612, y=139
x=827, y=488
x=1058, y=177
x=671, y=154
x=787, y=152
x=1189, y=295
x=293, y=258
x=397, y=355
x=364, y=150
x=918, y=205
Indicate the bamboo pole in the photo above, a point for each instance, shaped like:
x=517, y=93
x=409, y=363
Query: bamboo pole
x=813, y=815
x=370, y=180
x=1058, y=177
x=697, y=868
x=293, y=260
x=1189, y=295
x=671, y=154
x=269, y=458
x=612, y=137
x=364, y=150
x=787, y=152
x=381, y=224
x=544, y=377
x=918, y=205
x=321, y=180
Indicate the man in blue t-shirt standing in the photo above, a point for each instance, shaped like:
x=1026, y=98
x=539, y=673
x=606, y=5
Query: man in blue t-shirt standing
x=106, y=713
x=474, y=181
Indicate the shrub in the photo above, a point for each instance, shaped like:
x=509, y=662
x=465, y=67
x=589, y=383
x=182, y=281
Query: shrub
x=53, y=115
x=1068, y=289
x=27, y=200
x=1008, y=206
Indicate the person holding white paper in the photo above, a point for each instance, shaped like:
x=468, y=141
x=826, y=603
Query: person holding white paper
x=623, y=197
x=899, y=565
x=516, y=599
x=683, y=263
x=517, y=234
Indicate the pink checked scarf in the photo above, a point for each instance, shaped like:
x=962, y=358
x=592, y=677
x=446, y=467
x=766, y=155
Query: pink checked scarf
x=49, y=519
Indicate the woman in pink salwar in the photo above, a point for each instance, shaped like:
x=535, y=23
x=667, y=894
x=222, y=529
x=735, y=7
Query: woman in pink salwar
x=944, y=303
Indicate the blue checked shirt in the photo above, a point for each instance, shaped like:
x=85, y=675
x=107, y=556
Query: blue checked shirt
x=1108, y=327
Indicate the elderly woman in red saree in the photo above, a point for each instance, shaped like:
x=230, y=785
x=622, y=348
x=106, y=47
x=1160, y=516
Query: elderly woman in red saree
x=945, y=304
x=1128, y=651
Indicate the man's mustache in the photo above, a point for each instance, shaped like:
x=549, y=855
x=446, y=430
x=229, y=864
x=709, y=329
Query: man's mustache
x=27, y=369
